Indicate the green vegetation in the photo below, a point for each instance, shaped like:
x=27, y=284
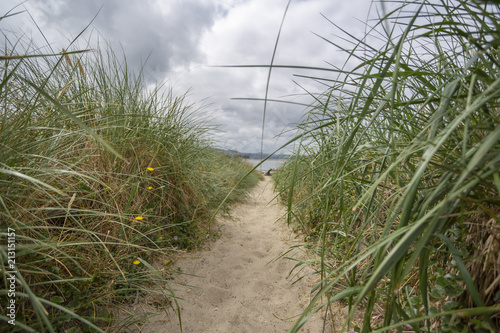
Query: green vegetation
x=101, y=177
x=397, y=178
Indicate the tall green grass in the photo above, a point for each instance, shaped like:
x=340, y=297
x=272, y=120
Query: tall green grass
x=100, y=176
x=397, y=179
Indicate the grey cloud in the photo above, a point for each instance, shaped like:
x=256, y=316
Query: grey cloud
x=166, y=33
x=184, y=36
x=243, y=121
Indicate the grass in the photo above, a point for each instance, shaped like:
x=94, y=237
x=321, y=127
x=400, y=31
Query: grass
x=396, y=180
x=100, y=177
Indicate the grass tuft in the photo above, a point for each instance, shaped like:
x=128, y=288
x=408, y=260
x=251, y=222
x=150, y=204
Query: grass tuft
x=100, y=175
x=396, y=180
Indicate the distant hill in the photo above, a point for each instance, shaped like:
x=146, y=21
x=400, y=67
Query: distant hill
x=256, y=156
x=253, y=156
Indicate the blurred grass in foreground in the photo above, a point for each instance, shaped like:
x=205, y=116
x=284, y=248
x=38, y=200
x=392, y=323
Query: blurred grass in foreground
x=397, y=180
x=99, y=177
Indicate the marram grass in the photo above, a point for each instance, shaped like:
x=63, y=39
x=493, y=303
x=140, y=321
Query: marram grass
x=397, y=179
x=99, y=177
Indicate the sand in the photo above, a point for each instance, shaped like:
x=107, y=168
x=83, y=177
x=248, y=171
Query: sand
x=237, y=285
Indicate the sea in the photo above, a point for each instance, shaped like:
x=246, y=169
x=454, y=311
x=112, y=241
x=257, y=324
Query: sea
x=268, y=164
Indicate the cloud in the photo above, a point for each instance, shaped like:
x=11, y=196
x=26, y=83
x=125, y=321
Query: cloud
x=185, y=40
x=246, y=35
x=166, y=34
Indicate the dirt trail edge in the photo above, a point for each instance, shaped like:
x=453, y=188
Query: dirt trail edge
x=237, y=288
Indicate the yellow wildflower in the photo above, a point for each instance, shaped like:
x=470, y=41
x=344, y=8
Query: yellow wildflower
x=150, y=187
x=139, y=218
x=137, y=262
x=150, y=169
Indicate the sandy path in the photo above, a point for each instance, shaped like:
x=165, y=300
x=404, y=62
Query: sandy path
x=236, y=288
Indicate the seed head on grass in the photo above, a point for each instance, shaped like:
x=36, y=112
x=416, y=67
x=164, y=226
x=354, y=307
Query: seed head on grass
x=80, y=67
x=66, y=57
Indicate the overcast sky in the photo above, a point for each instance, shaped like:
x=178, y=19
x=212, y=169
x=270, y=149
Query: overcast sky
x=185, y=39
